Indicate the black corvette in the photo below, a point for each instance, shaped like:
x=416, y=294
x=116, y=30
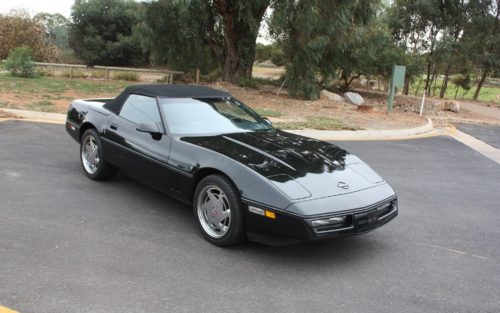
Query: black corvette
x=243, y=177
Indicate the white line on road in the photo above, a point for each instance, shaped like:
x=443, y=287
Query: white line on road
x=478, y=145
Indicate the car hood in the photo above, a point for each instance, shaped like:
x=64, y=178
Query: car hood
x=300, y=167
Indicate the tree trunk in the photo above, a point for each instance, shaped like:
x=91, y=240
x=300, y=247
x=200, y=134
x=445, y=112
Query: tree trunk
x=445, y=81
x=240, y=34
x=427, y=79
x=434, y=78
x=481, y=82
x=418, y=86
x=406, y=87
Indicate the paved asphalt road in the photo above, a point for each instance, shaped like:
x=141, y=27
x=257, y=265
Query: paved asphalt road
x=487, y=133
x=69, y=244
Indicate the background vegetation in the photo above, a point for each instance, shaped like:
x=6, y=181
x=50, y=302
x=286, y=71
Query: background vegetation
x=449, y=47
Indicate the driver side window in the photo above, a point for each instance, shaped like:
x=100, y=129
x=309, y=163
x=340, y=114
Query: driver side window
x=140, y=109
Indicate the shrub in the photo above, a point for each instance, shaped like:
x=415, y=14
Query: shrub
x=128, y=76
x=20, y=62
x=248, y=83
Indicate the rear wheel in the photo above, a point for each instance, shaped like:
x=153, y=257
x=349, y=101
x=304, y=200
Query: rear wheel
x=92, y=157
x=218, y=211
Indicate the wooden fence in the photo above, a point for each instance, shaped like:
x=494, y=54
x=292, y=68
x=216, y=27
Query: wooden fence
x=107, y=69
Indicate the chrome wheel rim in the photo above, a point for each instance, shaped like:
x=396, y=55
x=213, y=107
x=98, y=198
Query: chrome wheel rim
x=90, y=155
x=214, y=212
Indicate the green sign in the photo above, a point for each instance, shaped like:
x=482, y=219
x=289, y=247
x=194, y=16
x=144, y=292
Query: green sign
x=397, y=80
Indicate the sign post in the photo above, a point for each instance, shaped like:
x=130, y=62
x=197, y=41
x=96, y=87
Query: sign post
x=397, y=80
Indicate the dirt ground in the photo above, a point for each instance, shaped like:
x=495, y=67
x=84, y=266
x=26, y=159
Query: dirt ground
x=285, y=109
x=297, y=110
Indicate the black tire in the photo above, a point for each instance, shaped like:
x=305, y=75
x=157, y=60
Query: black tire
x=235, y=232
x=103, y=170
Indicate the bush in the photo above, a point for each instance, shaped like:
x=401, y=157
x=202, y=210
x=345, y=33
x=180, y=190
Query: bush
x=248, y=83
x=20, y=62
x=128, y=76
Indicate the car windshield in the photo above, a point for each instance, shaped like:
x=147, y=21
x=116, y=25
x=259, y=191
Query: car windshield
x=210, y=116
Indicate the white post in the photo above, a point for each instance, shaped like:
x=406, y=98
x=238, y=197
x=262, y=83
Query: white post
x=422, y=104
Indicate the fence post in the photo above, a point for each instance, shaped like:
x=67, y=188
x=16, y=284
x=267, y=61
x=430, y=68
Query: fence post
x=197, y=76
x=171, y=78
x=106, y=73
x=71, y=72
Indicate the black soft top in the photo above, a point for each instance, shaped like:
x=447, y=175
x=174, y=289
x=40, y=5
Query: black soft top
x=164, y=91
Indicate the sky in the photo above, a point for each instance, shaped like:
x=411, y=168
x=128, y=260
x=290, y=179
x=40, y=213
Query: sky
x=37, y=6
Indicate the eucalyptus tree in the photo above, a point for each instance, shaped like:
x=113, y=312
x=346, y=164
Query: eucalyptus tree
x=179, y=31
x=321, y=40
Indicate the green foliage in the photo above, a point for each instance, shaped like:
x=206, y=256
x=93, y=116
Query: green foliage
x=20, y=62
x=128, y=76
x=192, y=34
x=247, y=83
x=319, y=38
x=101, y=32
x=174, y=34
x=271, y=52
x=462, y=81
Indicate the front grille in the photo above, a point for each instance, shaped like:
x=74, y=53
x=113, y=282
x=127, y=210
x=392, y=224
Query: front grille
x=353, y=220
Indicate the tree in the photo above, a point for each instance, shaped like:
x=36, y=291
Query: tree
x=482, y=41
x=52, y=24
x=18, y=29
x=416, y=24
x=173, y=32
x=317, y=38
x=101, y=32
x=228, y=28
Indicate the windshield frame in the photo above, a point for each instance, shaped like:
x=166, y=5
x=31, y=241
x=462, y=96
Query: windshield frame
x=163, y=101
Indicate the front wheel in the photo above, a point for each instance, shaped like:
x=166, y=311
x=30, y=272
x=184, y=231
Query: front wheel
x=218, y=211
x=92, y=157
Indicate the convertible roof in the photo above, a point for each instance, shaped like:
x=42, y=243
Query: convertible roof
x=166, y=91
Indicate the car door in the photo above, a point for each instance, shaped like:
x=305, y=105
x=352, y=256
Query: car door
x=141, y=155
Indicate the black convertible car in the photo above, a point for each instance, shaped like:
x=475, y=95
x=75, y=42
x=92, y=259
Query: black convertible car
x=243, y=177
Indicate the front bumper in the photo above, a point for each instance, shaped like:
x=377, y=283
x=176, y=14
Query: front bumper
x=288, y=227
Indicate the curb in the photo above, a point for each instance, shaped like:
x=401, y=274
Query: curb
x=392, y=134
x=374, y=134
x=457, y=120
x=37, y=116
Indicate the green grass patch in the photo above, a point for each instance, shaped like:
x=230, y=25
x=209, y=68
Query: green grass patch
x=56, y=85
x=320, y=123
x=268, y=112
x=76, y=74
x=488, y=93
x=42, y=105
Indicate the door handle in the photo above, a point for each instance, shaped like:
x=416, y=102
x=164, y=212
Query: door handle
x=113, y=126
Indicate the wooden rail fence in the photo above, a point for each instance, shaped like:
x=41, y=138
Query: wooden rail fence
x=107, y=69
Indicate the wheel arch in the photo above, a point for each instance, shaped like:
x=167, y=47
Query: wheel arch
x=207, y=171
x=85, y=126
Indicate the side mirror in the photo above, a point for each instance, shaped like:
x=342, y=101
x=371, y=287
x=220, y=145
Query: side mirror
x=268, y=121
x=151, y=128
